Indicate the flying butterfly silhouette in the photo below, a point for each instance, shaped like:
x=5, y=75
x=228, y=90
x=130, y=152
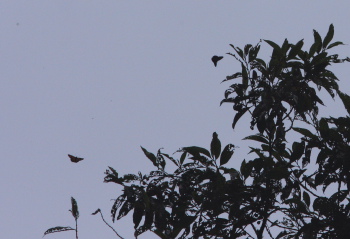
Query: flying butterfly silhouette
x=74, y=159
x=215, y=59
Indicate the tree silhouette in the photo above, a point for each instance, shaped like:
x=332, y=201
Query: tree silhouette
x=274, y=195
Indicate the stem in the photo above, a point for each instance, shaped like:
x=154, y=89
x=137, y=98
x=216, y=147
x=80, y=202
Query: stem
x=110, y=226
x=76, y=228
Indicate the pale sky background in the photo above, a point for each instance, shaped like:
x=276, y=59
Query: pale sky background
x=97, y=79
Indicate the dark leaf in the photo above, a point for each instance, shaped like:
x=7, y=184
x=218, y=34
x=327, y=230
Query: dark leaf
x=194, y=150
x=339, y=196
x=150, y=156
x=298, y=150
x=274, y=45
x=306, y=198
x=346, y=100
x=125, y=209
x=138, y=214
x=320, y=204
x=324, y=128
x=257, y=137
x=215, y=146
x=234, y=76
x=117, y=203
x=182, y=158
x=58, y=229
x=74, y=209
x=279, y=173
x=295, y=49
x=227, y=154
x=244, y=76
x=329, y=36
x=337, y=43
x=238, y=116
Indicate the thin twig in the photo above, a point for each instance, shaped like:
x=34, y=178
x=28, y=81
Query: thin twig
x=98, y=210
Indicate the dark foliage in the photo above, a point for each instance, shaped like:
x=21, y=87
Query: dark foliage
x=276, y=194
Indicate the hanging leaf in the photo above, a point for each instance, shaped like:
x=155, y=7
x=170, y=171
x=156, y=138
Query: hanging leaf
x=215, y=146
x=226, y=154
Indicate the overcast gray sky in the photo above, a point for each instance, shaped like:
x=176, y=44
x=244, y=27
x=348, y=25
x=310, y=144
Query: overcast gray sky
x=97, y=79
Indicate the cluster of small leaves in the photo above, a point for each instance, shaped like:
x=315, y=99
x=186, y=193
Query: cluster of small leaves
x=276, y=190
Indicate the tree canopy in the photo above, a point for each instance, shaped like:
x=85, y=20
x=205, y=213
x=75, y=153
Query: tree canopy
x=281, y=191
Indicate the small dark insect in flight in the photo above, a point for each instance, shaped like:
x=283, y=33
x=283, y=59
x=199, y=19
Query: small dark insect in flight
x=74, y=159
x=215, y=59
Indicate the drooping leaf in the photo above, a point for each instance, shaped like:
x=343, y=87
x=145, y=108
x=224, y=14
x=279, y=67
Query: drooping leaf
x=234, y=76
x=138, y=214
x=346, y=100
x=226, y=154
x=112, y=176
x=306, y=198
x=215, y=146
x=329, y=36
x=58, y=229
x=150, y=156
x=238, y=116
x=125, y=209
x=117, y=203
x=74, y=210
x=195, y=150
x=274, y=46
x=257, y=137
x=337, y=43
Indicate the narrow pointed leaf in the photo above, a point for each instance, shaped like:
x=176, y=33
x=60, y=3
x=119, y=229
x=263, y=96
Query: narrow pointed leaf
x=337, y=43
x=257, y=137
x=238, y=116
x=58, y=229
x=150, y=156
x=329, y=36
